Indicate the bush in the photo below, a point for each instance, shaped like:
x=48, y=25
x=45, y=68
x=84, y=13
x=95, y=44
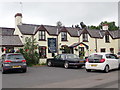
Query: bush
x=29, y=52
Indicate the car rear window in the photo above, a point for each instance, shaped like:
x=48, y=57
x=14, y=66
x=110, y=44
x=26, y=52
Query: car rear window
x=15, y=56
x=95, y=57
x=118, y=53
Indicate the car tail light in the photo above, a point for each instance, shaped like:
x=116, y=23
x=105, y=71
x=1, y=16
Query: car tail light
x=23, y=60
x=7, y=61
x=102, y=60
x=87, y=60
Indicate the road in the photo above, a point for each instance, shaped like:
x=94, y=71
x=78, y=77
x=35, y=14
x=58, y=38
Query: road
x=58, y=77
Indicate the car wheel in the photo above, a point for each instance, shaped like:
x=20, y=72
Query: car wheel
x=106, y=70
x=88, y=70
x=119, y=67
x=24, y=70
x=66, y=65
x=49, y=63
x=3, y=71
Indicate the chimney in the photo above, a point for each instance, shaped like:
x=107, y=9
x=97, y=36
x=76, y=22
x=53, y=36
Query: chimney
x=105, y=27
x=18, y=19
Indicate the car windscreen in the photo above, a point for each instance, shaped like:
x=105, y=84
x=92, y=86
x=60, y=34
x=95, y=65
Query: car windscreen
x=72, y=56
x=95, y=57
x=118, y=53
x=15, y=56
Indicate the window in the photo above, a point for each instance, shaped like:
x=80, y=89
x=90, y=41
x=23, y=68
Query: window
x=42, y=51
x=107, y=39
x=63, y=57
x=85, y=37
x=112, y=50
x=63, y=36
x=57, y=57
x=102, y=50
x=111, y=56
x=42, y=35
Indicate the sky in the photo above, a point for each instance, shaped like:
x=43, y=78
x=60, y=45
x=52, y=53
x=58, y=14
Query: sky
x=68, y=12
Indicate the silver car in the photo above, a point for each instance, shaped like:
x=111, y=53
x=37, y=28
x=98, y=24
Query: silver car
x=13, y=61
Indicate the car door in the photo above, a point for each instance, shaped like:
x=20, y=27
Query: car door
x=56, y=59
x=0, y=62
x=112, y=61
x=60, y=60
x=115, y=61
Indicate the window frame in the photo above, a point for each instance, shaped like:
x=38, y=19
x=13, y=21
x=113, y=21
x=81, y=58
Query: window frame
x=42, y=35
x=63, y=36
x=107, y=39
x=85, y=37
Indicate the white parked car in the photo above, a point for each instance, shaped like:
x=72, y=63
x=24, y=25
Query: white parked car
x=102, y=61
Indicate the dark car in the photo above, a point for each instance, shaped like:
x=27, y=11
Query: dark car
x=66, y=60
x=13, y=61
x=118, y=54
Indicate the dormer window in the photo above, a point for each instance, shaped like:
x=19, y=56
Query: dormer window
x=107, y=40
x=85, y=37
x=63, y=36
x=42, y=36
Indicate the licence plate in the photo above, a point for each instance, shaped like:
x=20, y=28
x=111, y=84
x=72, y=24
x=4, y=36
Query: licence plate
x=81, y=61
x=93, y=65
x=16, y=67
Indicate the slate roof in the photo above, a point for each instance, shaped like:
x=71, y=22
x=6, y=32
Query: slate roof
x=27, y=29
x=6, y=31
x=74, y=31
x=52, y=30
x=95, y=33
x=12, y=40
x=115, y=34
x=76, y=44
x=30, y=29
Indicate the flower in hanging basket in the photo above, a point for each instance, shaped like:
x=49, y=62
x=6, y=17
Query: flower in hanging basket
x=44, y=47
x=27, y=50
x=5, y=49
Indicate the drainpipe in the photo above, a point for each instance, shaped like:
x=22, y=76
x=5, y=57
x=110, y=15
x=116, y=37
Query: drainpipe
x=96, y=45
x=57, y=43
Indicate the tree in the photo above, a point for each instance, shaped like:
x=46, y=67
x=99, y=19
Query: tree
x=111, y=26
x=83, y=25
x=59, y=24
x=29, y=51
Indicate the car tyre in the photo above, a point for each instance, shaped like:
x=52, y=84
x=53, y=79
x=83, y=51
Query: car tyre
x=88, y=70
x=66, y=65
x=24, y=70
x=3, y=71
x=106, y=70
x=49, y=63
x=119, y=67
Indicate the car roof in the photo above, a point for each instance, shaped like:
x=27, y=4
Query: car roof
x=101, y=53
x=67, y=54
x=10, y=53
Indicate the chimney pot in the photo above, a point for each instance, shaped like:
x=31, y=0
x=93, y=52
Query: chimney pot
x=105, y=27
x=18, y=14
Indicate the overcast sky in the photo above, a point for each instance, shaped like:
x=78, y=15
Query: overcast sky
x=48, y=13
